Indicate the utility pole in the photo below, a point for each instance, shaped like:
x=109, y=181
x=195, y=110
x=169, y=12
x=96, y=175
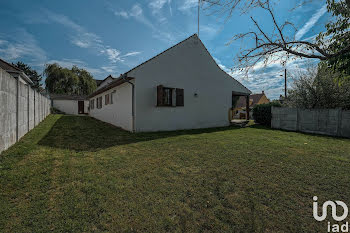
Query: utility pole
x=199, y=2
x=285, y=83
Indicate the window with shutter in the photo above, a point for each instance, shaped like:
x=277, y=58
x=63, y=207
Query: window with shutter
x=179, y=97
x=165, y=96
x=160, y=95
x=92, y=103
x=107, y=99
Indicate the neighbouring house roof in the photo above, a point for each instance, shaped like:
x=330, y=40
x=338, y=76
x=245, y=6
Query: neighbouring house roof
x=67, y=97
x=11, y=69
x=253, y=100
x=114, y=83
x=99, y=82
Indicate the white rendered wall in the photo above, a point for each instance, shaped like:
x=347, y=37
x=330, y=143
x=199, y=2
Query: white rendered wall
x=187, y=66
x=120, y=112
x=69, y=106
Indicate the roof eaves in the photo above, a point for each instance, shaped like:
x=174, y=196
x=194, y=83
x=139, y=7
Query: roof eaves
x=116, y=82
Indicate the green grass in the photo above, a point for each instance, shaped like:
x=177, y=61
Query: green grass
x=77, y=174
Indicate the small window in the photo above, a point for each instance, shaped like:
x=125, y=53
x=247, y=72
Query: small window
x=99, y=102
x=179, y=97
x=107, y=99
x=112, y=97
x=92, y=104
x=168, y=96
x=165, y=96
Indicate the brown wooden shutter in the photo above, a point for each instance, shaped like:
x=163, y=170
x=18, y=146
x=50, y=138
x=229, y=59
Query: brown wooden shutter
x=179, y=97
x=160, y=95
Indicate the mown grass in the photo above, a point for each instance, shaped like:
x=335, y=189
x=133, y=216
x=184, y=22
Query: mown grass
x=77, y=174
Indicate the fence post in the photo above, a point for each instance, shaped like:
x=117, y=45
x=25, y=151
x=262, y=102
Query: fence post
x=28, y=101
x=17, y=107
x=298, y=123
x=340, y=113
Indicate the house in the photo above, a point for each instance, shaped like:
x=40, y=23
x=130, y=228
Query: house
x=239, y=111
x=104, y=82
x=70, y=104
x=180, y=88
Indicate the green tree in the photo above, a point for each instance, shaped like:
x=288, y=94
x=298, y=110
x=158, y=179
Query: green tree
x=32, y=74
x=73, y=81
x=339, y=34
x=320, y=87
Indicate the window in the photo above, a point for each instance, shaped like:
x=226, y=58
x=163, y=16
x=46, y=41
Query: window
x=92, y=104
x=107, y=99
x=165, y=96
x=112, y=97
x=99, y=102
x=179, y=97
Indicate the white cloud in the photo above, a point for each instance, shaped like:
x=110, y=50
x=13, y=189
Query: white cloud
x=157, y=5
x=131, y=54
x=137, y=13
x=110, y=69
x=88, y=40
x=187, y=5
x=123, y=14
x=113, y=54
x=311, y=22
x=81, y=43
x=269, y=79
x=18, y=44
x=81, y=37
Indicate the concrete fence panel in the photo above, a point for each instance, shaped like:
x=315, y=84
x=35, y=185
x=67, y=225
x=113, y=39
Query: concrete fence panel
x=335, y=122
x=21, y=109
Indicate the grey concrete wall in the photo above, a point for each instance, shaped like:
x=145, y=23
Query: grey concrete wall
x=335, y=122
x=17, y=112
x=8, y=94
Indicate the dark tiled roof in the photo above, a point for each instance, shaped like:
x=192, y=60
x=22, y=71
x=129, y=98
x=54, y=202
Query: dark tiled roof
x=98, y=81
x=9, y=67
x=241, y=103
x=114, y=83
x=67, y=97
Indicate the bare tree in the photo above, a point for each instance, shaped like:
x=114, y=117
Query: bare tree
x=278, y=45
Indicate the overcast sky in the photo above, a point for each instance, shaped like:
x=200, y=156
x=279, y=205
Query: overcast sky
x=110, y=37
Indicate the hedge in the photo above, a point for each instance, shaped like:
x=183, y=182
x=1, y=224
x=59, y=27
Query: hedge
x=262, y=113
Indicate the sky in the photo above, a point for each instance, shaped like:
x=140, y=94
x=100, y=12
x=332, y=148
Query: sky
x=111, y=37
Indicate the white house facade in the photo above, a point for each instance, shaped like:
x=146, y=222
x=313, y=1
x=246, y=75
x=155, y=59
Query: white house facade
x=69, y=104
x=181, y=88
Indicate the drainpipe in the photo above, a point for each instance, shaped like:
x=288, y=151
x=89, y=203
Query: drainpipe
x=124, y=76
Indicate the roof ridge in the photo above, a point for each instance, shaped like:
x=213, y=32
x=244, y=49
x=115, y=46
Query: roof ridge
x=161, y=53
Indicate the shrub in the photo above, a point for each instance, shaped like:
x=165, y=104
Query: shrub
x=262, y=113
x=56, y=111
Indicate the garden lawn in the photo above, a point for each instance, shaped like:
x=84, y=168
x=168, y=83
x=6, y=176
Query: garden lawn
x=78, y=174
